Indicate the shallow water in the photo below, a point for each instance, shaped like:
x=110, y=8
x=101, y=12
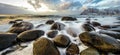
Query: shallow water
x=74, y=24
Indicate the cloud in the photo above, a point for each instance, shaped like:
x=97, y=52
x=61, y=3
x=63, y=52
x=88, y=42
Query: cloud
x=106, y=3
x=57, y=4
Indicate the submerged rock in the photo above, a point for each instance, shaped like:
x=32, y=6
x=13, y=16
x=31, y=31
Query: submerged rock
x=57, y=26
x=88, y=27
x=101, y=42
x=61, y=41
x=89, y=51
x=29, y=35
x=73, y=49
x=6, y=40
x=44, y=46
x=52, y=33
x=20, y=27
x=68, y=19
x=72, y=32
x=111, y=33
x=50, y=22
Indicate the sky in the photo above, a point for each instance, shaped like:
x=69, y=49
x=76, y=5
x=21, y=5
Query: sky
x=63, y=6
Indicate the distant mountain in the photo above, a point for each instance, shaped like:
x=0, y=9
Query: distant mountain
x=9, y=9
x=108, y=11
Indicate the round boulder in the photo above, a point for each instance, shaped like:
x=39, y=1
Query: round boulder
x=44, y=46
x=20, y=27
x=12, y=22
x=6, y=40
x=73, y=49
x=50, y=22
x=19, y=20
x=68, y=19
x=111, y=33
x=88, y=27
x=57, y=26
x=52, y=33
x=95, y=24
x=61, y=41
x=101, y=42
x=29, y=35
x=89, y=51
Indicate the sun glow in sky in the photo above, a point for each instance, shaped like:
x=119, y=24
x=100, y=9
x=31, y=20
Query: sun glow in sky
x=43, y=8
x=24, y=4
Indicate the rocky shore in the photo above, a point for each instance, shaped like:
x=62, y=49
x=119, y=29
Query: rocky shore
x=66, y=36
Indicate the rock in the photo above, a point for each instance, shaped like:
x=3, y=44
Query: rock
x=44, y=46
x=12, y=22
x=111, y=33
x=118, y=18
x=52, y=33
x=50, y=22
x=95, y=24
x=6, y=40
x=68, y=19
x=115, y=29
x=15, y=21
x=71, y=31
x=88, y=21
x=57, y=26
x=101, y=42
x=88, y=27
x=29, y=35
x=109, y=26
x=19, y=20
x=89, y=51
x=73, y=49
x=39, y=25
x=105, y=27
x=20, y=27
x=61, y=41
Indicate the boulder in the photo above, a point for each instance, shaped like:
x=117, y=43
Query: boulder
x=88, y=27
x=12, y=22
x=44, y=46
x=73, y=49
x=50, y=22
x=52, y=33
x=105, y=27
x=115, y=29
x=95, y=24
x=68, y=19
x=89, y=51
x=20, y=27
x=111, y=33
x=61, y=41
x=15, y=21
x=101, y=42
x=6, y=40
x=19, y=20
x=29, y=35
x=57, y=26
